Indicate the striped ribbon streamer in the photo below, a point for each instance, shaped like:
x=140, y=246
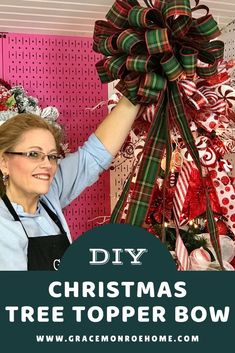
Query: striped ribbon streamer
x=181, y=190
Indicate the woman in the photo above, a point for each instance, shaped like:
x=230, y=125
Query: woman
x=34, y=187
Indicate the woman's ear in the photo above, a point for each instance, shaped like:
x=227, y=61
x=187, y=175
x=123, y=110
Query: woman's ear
x=3, y=164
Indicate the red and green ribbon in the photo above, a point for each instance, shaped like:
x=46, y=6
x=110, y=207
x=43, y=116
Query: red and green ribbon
x=149, y=50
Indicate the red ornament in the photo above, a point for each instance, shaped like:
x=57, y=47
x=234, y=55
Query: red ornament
x=221, y=228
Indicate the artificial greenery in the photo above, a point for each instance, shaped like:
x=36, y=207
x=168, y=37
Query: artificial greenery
x=191, y=237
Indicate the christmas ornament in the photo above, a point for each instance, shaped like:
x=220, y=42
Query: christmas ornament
x=221, y=227
x=227, y=248
x=172, y=178
x=199, y=257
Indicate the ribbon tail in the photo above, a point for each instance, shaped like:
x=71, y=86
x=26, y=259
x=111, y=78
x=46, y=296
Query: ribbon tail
x=181, y=253
x=149, y=168
x=167, y=171
x=180, y=119
x=213, y=230
x=181, y=122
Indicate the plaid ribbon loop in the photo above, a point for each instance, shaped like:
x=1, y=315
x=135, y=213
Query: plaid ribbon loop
x=157, y=41
x=140, y=63
x=118, y=14
x=116, y=66
x=108, y=46
x=150, y=84
x=145, y=17
x=151, y=50
x=171, y=67
x=188, y=59
x=131, y=42
x=179, y=26
x=204, y=28
x=102, y=31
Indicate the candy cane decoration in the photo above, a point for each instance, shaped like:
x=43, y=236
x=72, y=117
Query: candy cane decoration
x=181, y=191
x=181, y=253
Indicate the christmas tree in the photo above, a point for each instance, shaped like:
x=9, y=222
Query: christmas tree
x=179, y=188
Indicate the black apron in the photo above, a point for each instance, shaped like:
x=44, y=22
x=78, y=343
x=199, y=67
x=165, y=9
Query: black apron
x=44, y=252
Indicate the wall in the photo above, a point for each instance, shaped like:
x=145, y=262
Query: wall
x=229, y=40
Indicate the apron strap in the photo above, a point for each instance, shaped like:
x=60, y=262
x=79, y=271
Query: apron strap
x=51, y=214
x=12, y=211
x=10, y=207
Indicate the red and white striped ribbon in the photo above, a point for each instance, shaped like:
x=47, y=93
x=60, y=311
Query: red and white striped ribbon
x=150, y=112
x=181, y=253
x=219, y=107
x=180, y=192
x=188, y=87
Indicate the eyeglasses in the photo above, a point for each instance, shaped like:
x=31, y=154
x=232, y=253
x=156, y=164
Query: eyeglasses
x=37, y=156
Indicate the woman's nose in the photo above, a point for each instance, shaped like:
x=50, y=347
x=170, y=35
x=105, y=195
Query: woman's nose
x=45, y=162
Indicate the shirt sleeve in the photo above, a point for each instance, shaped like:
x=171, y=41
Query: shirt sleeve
x=80, y=169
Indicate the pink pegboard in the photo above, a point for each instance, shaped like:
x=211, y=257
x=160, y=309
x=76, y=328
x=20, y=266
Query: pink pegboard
x=1, y=55
x=60, y=71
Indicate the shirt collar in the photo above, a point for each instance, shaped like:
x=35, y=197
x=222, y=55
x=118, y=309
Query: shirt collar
x=20, y=210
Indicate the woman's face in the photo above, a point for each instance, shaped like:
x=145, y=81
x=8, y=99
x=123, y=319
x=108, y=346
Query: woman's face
x=29, y=177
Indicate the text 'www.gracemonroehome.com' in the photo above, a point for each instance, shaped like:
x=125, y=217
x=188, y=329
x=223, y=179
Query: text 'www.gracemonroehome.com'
x=117, y=338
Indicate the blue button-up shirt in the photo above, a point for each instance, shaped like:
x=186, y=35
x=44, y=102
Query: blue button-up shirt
x=75, y=172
